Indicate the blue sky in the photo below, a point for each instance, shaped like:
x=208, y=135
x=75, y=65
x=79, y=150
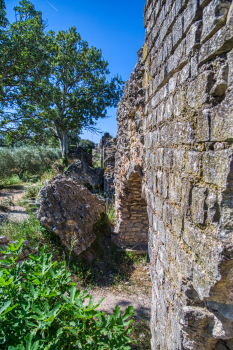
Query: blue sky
x=114, y=26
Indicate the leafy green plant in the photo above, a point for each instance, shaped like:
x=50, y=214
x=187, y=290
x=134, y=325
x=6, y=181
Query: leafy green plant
x=41, y=309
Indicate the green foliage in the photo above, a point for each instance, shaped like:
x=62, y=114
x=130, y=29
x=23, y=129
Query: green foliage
x=11, y=180
x=61, y=85
x=3, y=19
x=29, y=229
x=23, y=63
x=23, y=160
x=41, y=309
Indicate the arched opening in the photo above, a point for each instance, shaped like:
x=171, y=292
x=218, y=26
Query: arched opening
x=133, y=221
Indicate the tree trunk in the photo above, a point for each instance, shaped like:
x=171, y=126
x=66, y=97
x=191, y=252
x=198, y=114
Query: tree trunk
x=63, y=140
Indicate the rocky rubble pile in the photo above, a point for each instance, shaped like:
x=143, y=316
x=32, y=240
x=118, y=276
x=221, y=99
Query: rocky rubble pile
x=81, y=173
x=70, y=211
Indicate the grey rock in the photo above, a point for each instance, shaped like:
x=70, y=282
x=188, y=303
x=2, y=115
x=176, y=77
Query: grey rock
x=81, y=173
x=70, y=211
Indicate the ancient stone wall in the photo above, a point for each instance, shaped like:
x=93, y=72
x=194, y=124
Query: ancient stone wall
x=175, y=124
x=109, y=152
x=80, y=153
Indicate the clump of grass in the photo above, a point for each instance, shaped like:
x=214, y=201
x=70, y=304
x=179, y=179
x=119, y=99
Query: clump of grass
x=11, y=180
x=141, y=334
x=7, y=202
x=29, y=229
x=32, y=190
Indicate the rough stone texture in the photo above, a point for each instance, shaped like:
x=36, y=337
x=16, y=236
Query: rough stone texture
x=4, y=241
x=80, y=153
x=81, y=173
x=71, y=211
x=109, y=165
x=175, y=149
x=101, y=146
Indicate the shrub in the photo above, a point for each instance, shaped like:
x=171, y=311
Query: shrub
x=26, y=159
x=41, y=309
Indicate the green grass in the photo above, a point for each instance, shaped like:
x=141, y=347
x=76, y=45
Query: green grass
x=29, y=229
x=11, y=180
x=141, y=333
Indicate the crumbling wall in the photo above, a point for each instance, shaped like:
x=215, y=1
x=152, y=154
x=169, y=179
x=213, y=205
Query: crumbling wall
x=109, y=152
x=175, y=125
x=80, y=153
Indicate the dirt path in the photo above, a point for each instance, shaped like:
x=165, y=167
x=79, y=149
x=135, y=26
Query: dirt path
x=140, y=302
x=9, y=210
x=136, y=292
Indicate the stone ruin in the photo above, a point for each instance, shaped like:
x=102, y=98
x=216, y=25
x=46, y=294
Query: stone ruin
x=81, y=173
x=70, y=211
x=174, y=170
x=80, y=153
x=109, y=165
x=105, y=152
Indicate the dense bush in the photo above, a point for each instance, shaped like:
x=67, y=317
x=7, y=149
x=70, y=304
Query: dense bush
x=27, y=159
x=41, y=309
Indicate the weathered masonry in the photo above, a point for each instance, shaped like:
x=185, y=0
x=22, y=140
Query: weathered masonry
x=175, y=158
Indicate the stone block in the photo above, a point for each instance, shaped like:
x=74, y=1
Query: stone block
x=161, y=231
x=184, y=262
x=194, y=66
x=203, y=127
x=175, y=188
x=178, y=160
x=214, y=17
x=217, y=166
x=167, y=46
x=184, y=74
x=160, y=182
x=163, y=256
x=198, y=205
x=158, y=202
x=220, y=42
x=222, y=120
x=190, y=13
x=193, y=162
x=169, y=108
x=178, y=59
x=230, y=66
x=171, y=244
x=160, y=112
x=159, y=270
x=181, y=132
x=172, y=83
x=167, y=213
x=198, y=89
x=168, y=156
x=168, y=289
x=186, y=188
x=165, y=185
x=179, y=102
x=177, y=30
x=193, y=36
x=177, y=221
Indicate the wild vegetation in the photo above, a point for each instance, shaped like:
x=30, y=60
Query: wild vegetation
x=51, y=85
x=27, y=160
x=40, y=308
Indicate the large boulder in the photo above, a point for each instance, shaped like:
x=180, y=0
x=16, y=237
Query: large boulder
x=71, y=211
x=81, y=173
